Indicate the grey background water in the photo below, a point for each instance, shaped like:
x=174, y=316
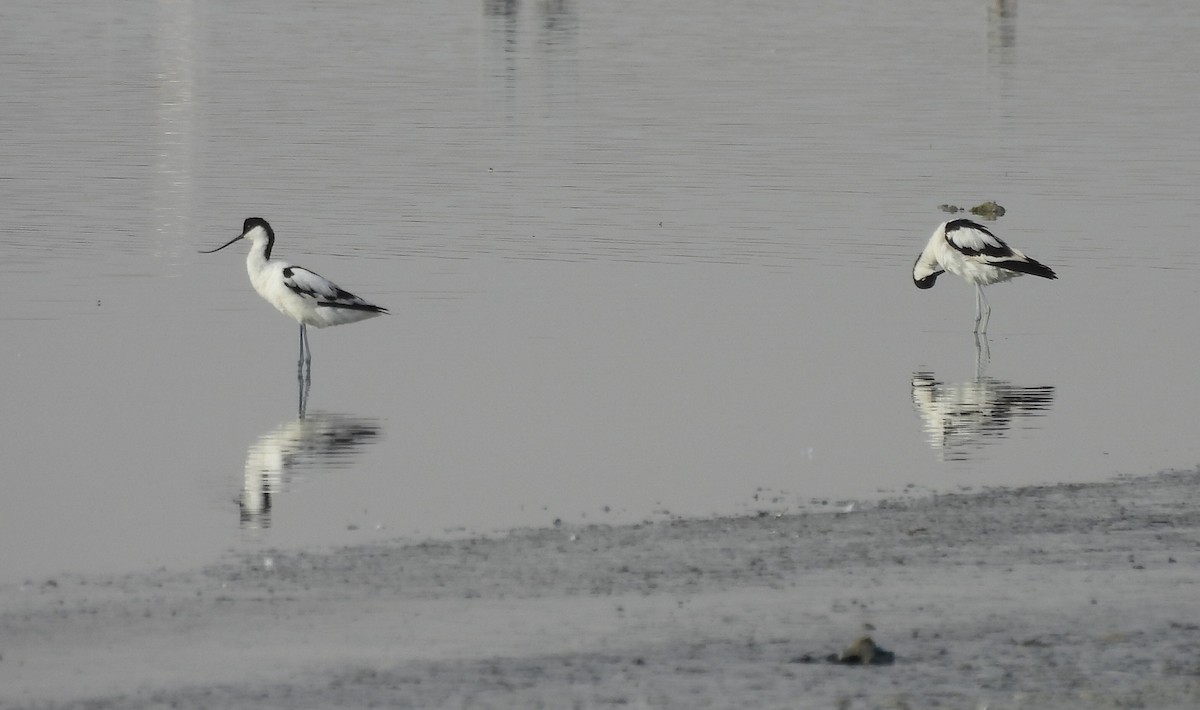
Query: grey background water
x=644, y=259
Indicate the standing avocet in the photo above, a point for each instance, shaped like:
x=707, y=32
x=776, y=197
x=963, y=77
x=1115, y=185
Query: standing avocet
x=970, y=250
x=304, y=295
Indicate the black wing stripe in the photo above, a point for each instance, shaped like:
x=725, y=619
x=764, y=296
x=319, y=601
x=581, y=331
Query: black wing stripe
x=294, y=287
x=1002, y=250
x=352, y=306
x=1034, y=268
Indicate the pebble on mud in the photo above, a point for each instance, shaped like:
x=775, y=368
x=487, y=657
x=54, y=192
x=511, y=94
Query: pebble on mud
x=864, y=651
x=988, y=210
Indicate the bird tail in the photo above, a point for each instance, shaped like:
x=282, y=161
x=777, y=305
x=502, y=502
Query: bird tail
x=353, y=306
x=1028, y=266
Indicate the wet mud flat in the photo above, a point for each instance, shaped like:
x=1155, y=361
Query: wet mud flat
x=1068, y=596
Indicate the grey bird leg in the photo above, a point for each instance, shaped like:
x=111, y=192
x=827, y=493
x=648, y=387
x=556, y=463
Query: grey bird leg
x=304, y=366
x=983, y=311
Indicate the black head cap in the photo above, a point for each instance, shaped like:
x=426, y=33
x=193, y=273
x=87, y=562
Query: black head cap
x=252, y=222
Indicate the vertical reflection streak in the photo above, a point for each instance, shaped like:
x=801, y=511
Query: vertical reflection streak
x=174, y=191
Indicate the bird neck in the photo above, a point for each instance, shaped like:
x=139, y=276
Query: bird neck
x=260, y=254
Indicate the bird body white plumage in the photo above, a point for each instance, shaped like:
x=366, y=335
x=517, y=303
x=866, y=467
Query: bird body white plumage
x=970, y=250
x=299, y=293
x=303, y=295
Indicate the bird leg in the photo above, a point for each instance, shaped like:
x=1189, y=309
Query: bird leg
x=304, y=366
x=983, y=311
x=983, y=354
x=305, y=384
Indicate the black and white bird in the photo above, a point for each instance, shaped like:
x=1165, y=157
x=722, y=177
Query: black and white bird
x=308, y=297
x=970, y=250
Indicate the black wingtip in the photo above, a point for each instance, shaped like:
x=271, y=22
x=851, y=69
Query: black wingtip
x=1031, y=267
x=355, y=307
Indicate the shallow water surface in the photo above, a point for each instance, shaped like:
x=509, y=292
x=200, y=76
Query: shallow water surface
x=642, y=261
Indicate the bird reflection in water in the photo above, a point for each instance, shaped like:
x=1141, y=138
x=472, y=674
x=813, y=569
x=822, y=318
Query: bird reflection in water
x=962, y=418
x=1002, y=28
x=316, y=442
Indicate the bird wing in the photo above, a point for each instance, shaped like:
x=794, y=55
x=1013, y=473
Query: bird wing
x=974, y=239
x=311, y=285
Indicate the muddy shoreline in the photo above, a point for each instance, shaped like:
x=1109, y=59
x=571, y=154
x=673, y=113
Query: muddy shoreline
x=1069, y=596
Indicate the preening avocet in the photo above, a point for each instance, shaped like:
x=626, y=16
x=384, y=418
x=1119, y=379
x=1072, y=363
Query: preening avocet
x=970, y=250
x=304, y=295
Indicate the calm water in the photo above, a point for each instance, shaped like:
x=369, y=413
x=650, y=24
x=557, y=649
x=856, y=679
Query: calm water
x=644, y=259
